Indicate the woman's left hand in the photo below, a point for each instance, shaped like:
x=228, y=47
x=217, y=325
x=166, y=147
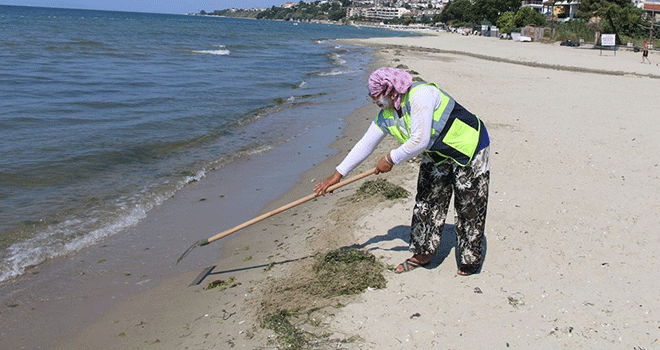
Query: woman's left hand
x=323, y=186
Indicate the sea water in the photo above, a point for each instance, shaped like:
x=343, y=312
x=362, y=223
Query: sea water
x=106, y=115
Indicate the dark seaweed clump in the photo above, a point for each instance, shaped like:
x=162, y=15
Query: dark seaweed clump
x=381, y=187
x=346, y=272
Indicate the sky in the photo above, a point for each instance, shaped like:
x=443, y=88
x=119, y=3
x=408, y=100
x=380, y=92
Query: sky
x=154, y=6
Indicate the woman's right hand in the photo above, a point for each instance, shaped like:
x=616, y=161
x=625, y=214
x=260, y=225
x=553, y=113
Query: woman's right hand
x=323, y=186
x=384, y=165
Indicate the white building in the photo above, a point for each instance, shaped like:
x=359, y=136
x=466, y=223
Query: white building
x=382, y=13
x=426, y=4
x=376, y=12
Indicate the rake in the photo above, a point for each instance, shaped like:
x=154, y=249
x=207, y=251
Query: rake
x=226, y=233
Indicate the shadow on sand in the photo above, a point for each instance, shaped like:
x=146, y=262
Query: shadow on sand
x=402, y=233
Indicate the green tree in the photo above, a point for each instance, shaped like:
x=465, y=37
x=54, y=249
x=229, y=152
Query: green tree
x=458, y=12
x=505, y=22
x=618, y=17
x=595, y=8
x=490, y=10
x=528, y=16
x=337, y=15
x=627, y=21
x=400, y=21
x=574, y=30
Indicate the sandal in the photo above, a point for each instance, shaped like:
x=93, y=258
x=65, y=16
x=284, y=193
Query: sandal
x=409, y=265
x=467, y=270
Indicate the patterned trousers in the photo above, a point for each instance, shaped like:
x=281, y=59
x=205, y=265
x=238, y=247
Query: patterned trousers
x=435, y=186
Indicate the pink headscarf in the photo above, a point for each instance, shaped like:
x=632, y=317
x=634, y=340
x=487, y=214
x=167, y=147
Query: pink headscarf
x=387, y=79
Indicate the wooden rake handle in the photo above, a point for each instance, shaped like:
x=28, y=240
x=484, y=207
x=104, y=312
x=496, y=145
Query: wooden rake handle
x=282, y=208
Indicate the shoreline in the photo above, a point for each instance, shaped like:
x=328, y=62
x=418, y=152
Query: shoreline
x=242, y=260
x=65, y=295
x=520, y=303
x=250, y=259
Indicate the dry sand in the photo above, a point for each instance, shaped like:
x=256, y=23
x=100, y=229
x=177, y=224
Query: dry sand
x=571, y=229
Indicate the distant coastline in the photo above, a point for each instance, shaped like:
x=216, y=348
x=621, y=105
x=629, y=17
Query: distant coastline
x=420, y=29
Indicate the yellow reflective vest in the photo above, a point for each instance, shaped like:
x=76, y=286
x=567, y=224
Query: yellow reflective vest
x=455, y=132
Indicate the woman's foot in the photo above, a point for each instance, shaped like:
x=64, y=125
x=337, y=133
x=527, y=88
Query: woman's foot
x=468, y=269
x=410, y=264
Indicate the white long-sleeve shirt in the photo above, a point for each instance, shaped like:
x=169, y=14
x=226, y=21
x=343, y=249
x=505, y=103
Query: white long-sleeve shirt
x=423, y=103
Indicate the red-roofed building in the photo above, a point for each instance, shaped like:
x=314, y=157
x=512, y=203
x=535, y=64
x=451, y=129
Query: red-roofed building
x=652, y=8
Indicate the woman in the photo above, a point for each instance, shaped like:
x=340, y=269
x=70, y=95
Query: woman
x=455, y=147
x=645, y=52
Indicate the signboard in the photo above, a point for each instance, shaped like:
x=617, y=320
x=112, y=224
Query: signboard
x=608, y=39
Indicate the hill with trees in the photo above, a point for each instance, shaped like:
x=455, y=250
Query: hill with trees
x=619, y=17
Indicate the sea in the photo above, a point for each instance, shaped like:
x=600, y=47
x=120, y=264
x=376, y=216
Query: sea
x=104, y=116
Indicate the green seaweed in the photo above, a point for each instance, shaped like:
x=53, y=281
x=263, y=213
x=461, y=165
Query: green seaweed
x=337, y=273
x=287, y=334
x=346, y=272
x=222, y=284
x=381, y=187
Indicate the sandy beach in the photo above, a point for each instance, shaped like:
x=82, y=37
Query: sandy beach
x=570, y=232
